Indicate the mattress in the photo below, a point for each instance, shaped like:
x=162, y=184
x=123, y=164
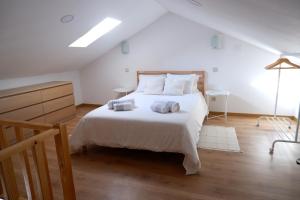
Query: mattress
x=144, y=129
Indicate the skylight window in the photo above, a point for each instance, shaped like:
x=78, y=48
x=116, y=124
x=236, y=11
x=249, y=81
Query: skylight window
x=96, y=32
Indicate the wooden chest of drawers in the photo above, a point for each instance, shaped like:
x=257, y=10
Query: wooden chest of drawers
x=50, y=102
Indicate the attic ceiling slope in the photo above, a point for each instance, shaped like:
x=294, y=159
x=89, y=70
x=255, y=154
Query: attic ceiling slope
x=34, y=41
x=273, y=25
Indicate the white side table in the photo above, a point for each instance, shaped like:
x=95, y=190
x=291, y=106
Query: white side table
x=122, y=91
x=215, y=93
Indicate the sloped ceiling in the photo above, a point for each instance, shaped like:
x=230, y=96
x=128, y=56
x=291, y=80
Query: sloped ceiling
x=33, y=41
x=270, y=24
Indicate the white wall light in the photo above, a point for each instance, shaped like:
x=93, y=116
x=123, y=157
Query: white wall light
x=96, y=32
x=216, y=41
x=125, y=47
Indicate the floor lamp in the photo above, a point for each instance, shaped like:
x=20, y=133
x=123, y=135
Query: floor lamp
x=280, y=123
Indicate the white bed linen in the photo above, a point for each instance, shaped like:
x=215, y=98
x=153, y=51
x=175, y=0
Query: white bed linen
x=144, y=129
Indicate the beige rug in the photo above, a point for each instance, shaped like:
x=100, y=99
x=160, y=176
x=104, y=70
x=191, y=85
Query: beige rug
x=219, y=138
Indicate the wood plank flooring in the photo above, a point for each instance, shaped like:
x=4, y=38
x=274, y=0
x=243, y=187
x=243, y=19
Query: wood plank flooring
x=122, y=174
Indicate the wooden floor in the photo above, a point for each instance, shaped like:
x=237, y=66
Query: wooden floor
x=120, y=174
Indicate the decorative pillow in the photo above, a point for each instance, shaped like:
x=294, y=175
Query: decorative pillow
x=174, y=87
x=154, y=86
x=143, y=80
x=189, y=81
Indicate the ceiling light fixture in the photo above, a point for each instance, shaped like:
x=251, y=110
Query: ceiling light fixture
x=66, y=19
x=195, y=2
x=96, y=32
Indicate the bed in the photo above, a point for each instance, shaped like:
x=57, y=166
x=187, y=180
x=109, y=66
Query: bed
x=144, y=129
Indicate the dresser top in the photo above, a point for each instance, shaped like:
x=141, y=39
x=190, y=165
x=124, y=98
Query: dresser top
x=30, y=88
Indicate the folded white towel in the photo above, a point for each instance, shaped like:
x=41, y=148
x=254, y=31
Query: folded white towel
x=165, y=106
x=111, y=103
x=173, y=106
x=160, y=106
x=126, y=106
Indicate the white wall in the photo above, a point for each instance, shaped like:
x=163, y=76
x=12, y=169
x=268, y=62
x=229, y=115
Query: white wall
x=66, y=76
x=175, y=43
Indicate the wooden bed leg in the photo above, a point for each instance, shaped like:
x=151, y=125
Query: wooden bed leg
x=84, y=149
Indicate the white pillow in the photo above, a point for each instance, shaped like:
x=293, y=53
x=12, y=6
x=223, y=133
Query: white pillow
x=195, y=86
x=143, y=80
x=154, y=86
x=174, y=87
x=189, y=81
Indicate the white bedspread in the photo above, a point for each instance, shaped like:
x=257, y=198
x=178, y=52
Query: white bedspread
x=144, y=129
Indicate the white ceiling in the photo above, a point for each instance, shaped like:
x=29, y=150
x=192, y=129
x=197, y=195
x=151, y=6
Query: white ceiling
x=33, y=41
x=271, y=24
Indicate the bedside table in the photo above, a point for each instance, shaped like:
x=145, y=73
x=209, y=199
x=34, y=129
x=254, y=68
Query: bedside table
x=122, y=91
x=215, y=93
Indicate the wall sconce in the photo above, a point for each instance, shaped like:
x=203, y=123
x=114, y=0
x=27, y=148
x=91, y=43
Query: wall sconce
x=125, y=47
x=216, y=41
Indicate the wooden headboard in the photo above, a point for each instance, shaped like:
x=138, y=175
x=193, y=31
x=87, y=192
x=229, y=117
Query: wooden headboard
x=201, y=81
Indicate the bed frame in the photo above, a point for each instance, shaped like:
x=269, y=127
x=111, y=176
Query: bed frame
x=201, y=81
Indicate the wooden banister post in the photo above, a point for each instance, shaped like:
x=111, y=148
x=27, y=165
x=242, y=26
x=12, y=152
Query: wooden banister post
x=1, y=189
x=8, y=173
x=42, y=169
x=8, y=182
x=3, y=193
x=28, y=180
x=41, y=162
x=64, y=162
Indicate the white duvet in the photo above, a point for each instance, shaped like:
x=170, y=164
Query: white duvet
x=144, y=129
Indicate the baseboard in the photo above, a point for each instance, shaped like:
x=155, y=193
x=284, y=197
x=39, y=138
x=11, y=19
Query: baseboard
x=88, y=105
x=294, y=118
x=249, y=114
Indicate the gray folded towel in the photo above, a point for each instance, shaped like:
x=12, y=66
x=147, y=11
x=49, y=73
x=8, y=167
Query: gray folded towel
x=125, y=106
x=111, y=103
x=173, y=106
x=160, y=107
x=165, y=106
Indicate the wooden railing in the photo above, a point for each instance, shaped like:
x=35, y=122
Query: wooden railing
x=33, y=147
